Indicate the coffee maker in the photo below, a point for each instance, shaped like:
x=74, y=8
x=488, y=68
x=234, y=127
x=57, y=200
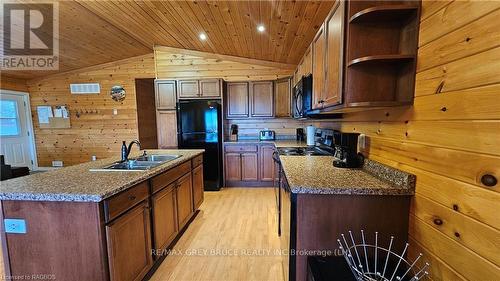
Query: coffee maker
x=346, y=150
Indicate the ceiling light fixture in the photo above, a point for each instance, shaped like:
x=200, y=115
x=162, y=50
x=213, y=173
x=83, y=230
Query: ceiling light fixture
x=261, y=28
x=203, y=36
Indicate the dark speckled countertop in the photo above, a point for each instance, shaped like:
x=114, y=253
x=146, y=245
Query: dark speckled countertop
x=277, y=143
x=76, y=183
x=317, y=175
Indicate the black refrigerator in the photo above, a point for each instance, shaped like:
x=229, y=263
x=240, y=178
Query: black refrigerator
x=199, y=126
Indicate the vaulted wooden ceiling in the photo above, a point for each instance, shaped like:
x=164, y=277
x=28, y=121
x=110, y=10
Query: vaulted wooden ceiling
x=94, y=32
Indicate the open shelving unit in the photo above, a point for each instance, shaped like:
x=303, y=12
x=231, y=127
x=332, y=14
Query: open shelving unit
x=382, y=38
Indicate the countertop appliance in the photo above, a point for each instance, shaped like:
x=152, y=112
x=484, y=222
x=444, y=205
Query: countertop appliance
x=310, y=137
x=302, y=97
x=265, y=135
x=199, y=126
x=346, y=150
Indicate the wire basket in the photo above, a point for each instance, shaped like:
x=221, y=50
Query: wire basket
x=375, y=263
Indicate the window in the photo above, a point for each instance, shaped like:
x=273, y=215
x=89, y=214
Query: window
x=9, y=118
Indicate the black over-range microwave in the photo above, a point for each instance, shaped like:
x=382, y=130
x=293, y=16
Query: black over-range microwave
x=302, y=97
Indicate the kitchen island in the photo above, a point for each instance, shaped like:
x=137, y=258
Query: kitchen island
x=319, y=202
x=77, y=224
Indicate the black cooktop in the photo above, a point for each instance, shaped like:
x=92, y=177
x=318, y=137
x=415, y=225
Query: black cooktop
x=304, y=151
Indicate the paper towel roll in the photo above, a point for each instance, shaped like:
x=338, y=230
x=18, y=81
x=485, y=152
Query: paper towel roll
x=310, y=130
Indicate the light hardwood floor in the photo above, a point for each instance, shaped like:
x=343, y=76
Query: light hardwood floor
x=232, y=221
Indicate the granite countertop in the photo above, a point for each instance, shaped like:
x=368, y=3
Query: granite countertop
x=277, y=143
x=78, y=184
x=317, y=175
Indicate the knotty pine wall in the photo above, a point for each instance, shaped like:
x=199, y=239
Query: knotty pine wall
x=172, y=64
x=99, y=133
x=13, y=84
x=449, y=140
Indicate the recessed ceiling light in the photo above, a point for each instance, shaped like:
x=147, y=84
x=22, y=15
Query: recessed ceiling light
x=203, y=36
x=261, y=28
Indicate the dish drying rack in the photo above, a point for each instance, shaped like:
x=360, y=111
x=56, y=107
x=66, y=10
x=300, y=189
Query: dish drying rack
x=380, y=265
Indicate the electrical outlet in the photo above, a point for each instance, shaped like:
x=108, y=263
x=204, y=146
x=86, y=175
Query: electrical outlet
x=115, y=111
x=15, y=226
x=57, y=163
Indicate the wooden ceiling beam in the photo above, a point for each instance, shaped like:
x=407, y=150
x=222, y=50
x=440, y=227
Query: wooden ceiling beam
x=224, y=57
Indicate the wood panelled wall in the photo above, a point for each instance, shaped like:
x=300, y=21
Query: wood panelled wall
x=449, y=139
x=174, y=63
x=92, y=133
x=13, y=84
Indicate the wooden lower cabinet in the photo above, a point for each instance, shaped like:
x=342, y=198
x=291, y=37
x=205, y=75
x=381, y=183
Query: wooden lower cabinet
x=232, y=165
x=249, y=167
x=198, y=186
x=267, y=163
x=165, y=217
x=184, y=199
x=249, y=164
x=129, y=244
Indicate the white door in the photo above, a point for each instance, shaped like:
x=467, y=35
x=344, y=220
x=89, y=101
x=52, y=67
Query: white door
x=14, y=137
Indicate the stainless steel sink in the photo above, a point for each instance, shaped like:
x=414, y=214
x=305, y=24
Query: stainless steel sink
x=157, y=157
x=141, y=163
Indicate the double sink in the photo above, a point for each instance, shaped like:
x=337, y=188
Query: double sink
x=140, y=163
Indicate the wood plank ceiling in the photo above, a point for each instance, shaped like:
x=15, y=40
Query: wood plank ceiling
x=95, y=32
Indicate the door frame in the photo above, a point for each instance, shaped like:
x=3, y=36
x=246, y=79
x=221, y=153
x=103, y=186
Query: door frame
x=29, y=124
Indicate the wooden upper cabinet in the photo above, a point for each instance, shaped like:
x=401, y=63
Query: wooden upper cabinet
x=165, y=94
x=188, y=89
x=184, y=199
x=318, y=67
x=210, y=88
x=332, y=94
x=237, y=100
x=283, y=97
x=165, y=216
x=166, y=123
x=129, y=244
x=262, y=99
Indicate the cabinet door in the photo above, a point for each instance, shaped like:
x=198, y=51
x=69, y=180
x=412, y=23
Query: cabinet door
x=237, y=100
x=184, y=199
x=188, y=89
x=262, y=99
x=165, y=94
x=166, y=123
x=334, y=56
x=210, y=88
x=249, y=167
x=318, y=67
x=198, y=186
x=129, y=244
x=232, y=164
x=266, y=163
x=283, y=98
x=165, y=216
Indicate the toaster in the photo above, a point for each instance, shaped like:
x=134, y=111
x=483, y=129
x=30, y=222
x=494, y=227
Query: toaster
x=267, y=135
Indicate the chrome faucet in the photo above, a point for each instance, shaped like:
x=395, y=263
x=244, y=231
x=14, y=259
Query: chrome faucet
x=126, y=150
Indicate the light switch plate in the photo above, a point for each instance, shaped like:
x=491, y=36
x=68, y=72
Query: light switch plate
x=15, y=226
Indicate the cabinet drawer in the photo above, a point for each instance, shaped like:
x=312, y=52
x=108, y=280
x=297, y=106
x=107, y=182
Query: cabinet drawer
x=170, y=176
x=198, y=160
x=241, y=148
x=125, y=200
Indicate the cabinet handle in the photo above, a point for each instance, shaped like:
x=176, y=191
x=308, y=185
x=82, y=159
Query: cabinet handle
x=132, y=198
